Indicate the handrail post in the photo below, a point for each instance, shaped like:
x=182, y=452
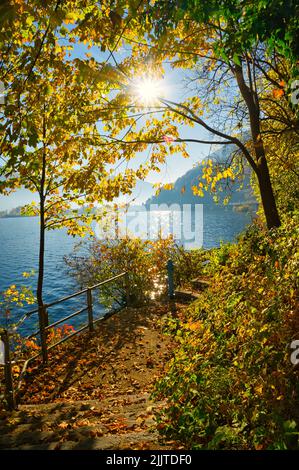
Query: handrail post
x=43, y=334
x=127, y=288
x=9, y=388
x=89, y=309
x=170, y=269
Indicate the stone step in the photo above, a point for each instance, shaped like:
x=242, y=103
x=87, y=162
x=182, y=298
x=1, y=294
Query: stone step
x=185, y=295
x=122, y=423
x=200, y=284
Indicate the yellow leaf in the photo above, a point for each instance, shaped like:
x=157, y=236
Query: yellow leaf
x=168, y=186
x=258, y=389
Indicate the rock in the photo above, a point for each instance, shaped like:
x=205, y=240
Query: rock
x=68, y=445
x=102, y=443
x=33, y=447
x=54, y=445
x=33, y=437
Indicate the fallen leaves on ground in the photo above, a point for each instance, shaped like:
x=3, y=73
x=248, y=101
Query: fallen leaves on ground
x=114, y=366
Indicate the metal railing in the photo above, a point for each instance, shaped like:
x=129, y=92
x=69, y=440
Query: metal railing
x=10, y=392
x=89, y=308
x=8, y=380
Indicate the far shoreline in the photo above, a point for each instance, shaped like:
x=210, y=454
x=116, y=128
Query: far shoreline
x=16, y=216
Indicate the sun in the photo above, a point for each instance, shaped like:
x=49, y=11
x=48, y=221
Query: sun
x=148, y=90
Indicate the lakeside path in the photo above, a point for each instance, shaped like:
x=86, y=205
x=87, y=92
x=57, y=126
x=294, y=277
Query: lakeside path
x=95, y=392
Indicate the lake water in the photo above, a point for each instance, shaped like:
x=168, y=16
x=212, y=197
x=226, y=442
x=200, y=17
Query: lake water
x=19, y=253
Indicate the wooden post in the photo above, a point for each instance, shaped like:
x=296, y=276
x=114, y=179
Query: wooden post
x=170, y=279
x=127, y=287
x=9, y=390
x=43, y=333
x=89, y=309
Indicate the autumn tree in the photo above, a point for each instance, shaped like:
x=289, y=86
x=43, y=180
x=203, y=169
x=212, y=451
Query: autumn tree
x=50, y=142
x=282, y=145
x=252, y=52
x=230, y=83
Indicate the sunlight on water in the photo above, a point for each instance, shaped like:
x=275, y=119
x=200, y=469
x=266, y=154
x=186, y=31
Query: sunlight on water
x=159, y=288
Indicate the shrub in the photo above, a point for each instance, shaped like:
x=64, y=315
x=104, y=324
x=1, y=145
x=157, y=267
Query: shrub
x=231, y=384
x=144, y=260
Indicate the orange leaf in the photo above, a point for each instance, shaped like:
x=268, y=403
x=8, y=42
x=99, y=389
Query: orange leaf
x=277, y=93
x=63, y=425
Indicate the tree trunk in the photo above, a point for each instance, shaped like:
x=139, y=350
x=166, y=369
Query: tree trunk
x=260, y=167
x=40, y=281
x=43, y=316
x=267, y=196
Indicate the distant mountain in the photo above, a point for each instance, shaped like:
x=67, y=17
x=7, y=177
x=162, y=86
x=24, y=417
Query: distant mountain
x=20, y=197
x=240, y=192
x=142, y=191
x=15, y=212
x=10, y=205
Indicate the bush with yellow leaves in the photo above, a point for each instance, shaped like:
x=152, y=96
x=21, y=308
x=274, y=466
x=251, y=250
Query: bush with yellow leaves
x=231, y=383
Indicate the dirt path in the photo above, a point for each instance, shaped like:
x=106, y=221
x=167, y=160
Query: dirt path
x=95, y=392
